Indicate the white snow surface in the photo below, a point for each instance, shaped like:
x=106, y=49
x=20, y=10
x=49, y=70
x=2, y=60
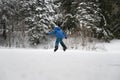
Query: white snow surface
x=44, y=64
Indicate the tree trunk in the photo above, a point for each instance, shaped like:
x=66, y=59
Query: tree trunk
x=4, y=31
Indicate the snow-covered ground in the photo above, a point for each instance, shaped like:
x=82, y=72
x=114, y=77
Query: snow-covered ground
x=38, y=64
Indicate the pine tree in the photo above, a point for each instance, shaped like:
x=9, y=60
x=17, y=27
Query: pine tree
x=7, y=18
x=111, y=12
x=84, y=14
x=66, y=15
x=38, y=22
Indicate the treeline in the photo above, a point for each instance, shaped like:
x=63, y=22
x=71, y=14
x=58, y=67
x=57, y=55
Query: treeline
x=25, y=22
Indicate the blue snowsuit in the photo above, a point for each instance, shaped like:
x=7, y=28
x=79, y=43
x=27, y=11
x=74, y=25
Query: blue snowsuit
x=58, y=32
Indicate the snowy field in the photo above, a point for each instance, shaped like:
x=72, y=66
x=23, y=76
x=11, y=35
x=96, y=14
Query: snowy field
x=37, y=64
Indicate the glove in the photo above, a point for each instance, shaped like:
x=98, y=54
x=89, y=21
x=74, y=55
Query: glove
x=65, y=37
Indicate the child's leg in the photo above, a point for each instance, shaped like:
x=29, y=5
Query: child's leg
x=57, y=44
x=63, y=45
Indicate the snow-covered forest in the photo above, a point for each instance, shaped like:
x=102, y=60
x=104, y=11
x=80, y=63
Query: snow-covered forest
x=25, y=23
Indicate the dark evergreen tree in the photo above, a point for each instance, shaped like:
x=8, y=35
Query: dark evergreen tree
x=38, y=21
x=7, y=18
x=111, y=11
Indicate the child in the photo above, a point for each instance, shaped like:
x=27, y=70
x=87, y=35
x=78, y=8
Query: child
x=58, y=32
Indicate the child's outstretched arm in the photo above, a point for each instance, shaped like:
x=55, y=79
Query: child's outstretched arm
x=52, y=32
